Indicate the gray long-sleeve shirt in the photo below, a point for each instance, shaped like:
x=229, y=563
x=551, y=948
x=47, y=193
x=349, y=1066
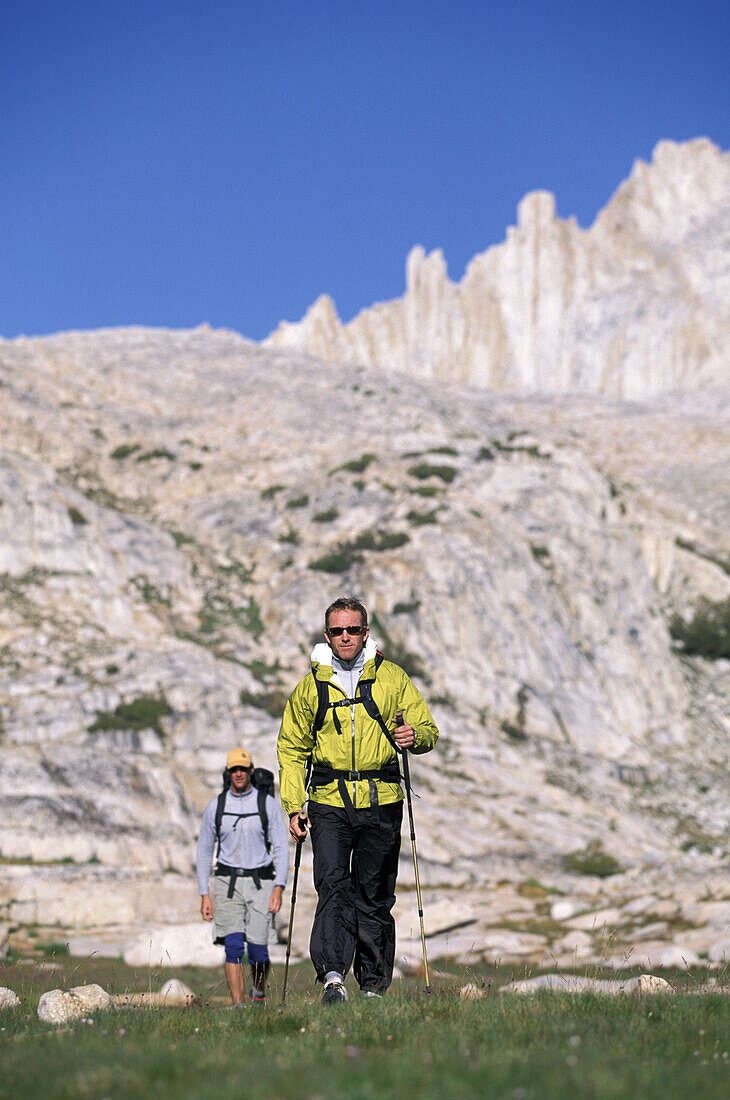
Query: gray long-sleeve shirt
x=242, y=837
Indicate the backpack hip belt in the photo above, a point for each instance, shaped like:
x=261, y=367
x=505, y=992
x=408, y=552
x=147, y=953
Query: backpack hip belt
x=388, y=774
x=256, y=873
x=322, y=773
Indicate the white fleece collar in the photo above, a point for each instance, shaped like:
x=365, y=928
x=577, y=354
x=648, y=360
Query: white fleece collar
x=322, y=654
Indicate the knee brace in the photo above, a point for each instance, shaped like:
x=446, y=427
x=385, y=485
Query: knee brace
x=258, y=954
x=235, y=945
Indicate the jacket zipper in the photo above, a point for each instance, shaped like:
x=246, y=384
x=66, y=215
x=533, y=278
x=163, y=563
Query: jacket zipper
x=352, y=727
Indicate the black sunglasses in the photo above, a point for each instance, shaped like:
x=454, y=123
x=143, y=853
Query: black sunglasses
x=336, y=631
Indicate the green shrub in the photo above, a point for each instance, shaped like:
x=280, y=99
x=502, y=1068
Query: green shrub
x=708, y=633
x=141, y=713
x=516, y=448
x=420, y=519
x=347, y=554
x=272, y=702
x=263, y=671
x=159, y=452
x=592, y=860
x=356, y=465
x=406, y=608
x=149, y=592
x=298, y=502
x=422, y=470
x=326, y=517
x=77, y=518
x=268, y=494
x=338, y=560
x=124, y=450
x=54, y=949
x=384, y=540
x=485, y=454
x=540, y=553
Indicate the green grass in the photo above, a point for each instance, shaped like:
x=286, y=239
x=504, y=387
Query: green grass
x=521, y=1048
x=593, y=860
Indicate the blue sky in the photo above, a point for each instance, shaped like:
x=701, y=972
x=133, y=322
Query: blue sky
x=170, y=162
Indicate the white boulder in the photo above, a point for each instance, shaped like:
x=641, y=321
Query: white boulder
x=176, y=992
x=58, y=1006
x=8, y=999
x=175, y=945
x=720, y=951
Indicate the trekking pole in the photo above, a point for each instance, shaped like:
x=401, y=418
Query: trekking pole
x=297, y=861
x=407, y=778
x=295, y=879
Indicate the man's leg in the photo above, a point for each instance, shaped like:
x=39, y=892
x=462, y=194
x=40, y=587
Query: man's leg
x=257, y=922
x=374, y=872
x=258, y=957
x=235, y=946
x=334, y=930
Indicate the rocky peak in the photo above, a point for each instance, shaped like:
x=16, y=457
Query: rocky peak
x=636, y=305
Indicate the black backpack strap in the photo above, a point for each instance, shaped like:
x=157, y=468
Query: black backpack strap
x=323, y=699
x=264, y=815
x=220, y=806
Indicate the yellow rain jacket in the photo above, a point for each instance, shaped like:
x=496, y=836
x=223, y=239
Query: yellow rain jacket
x=361, y=746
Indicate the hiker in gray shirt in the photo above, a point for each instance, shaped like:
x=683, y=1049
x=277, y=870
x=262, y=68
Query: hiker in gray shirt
x=248, y=824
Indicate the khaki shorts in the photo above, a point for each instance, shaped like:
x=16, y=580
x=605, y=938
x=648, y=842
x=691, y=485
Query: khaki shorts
x=247, y=911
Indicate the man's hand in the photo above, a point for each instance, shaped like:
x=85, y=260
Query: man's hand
x=403, y=734
x=275, y=899
x=298, y=826
x=206, y=907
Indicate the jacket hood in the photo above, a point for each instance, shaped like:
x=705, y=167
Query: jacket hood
x=322, y=654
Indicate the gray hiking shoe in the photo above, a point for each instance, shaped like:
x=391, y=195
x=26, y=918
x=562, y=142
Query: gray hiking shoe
x=333, y=993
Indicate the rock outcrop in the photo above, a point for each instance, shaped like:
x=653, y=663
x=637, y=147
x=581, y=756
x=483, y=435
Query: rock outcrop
x=636, y=305
x=176, y=510
x=643, y=985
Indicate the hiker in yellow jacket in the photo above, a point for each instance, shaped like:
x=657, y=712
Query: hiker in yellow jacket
x=342, y=716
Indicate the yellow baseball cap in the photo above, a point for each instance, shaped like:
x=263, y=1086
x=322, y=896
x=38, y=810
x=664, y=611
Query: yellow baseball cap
x=239, y=758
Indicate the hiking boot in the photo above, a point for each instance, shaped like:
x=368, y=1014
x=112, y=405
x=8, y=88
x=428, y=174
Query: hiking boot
x=334, y=992
x=257, y=997
x=372, y=993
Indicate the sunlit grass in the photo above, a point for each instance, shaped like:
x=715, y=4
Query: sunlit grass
x=409, y=1044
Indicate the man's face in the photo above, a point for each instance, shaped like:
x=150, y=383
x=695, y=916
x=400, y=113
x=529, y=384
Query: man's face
x=343, y=634
x=240, y=779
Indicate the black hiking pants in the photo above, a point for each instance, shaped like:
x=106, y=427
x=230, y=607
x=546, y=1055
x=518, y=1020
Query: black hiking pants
x=355, y=868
